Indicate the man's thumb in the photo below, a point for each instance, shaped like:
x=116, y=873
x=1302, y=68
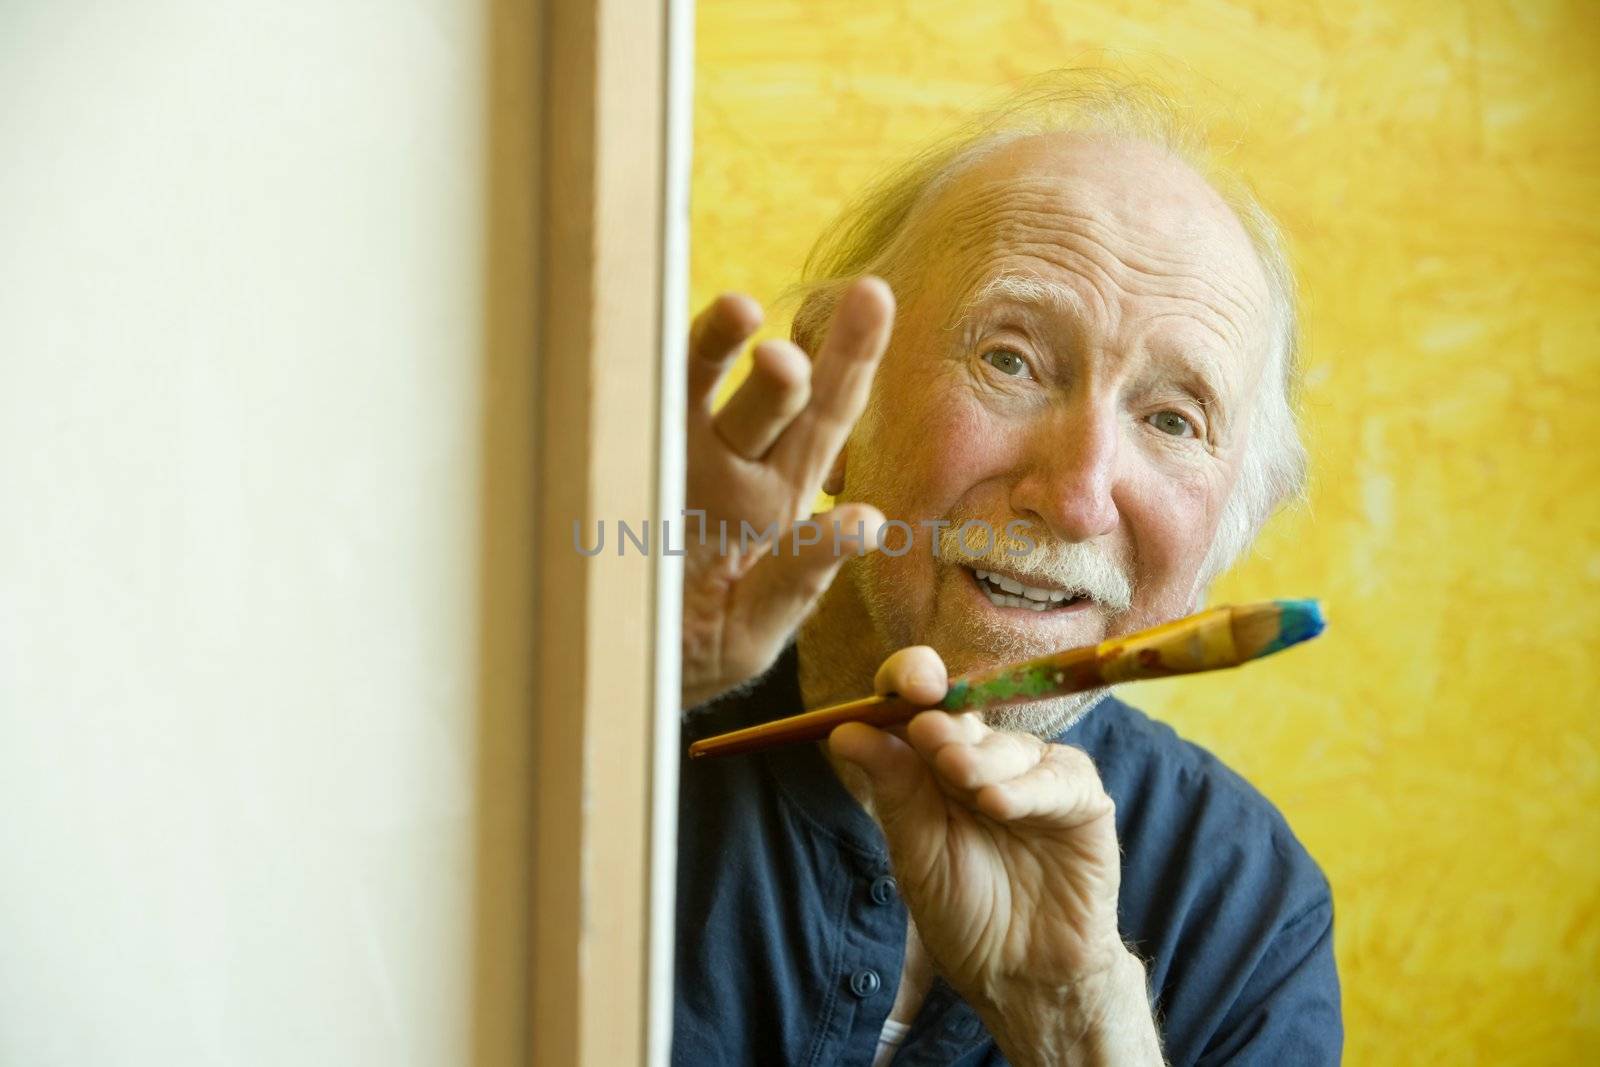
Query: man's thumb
x=781, y=589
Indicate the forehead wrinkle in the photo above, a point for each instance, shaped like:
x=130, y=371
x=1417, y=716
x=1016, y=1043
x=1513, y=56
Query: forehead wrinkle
x=981, y=218
x=1063, y=199
x=1188, y=280
x=1169, y=288
x=1207, y=318
x=1179, y=266
x=1066, y=299
x=1053, y=202
x=1201, y=361
x=1018, y=288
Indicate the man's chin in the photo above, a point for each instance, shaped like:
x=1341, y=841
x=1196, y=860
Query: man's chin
x=985, y=637
x=1045, y=719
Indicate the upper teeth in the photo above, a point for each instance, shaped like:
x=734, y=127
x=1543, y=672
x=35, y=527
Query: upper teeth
x=1027, y=595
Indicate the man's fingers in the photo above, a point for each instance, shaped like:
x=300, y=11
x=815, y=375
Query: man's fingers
x=1062, y=792
x=916, y=673
x=715, y=339
x=1008, y=776
x=966, y=764
x=777, y=593
x=841, y=378
x=775, y=392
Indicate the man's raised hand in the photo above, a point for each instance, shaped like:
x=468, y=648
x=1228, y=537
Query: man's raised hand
x=756, y=465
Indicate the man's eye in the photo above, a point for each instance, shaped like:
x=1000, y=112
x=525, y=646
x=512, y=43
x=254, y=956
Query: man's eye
x=1170, y=422
x=1007, y=362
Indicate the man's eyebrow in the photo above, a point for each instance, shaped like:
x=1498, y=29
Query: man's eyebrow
x=1020, y=289
x=1197, y=370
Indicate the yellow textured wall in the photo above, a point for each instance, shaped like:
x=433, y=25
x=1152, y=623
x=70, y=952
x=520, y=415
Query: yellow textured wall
x=1435, y=165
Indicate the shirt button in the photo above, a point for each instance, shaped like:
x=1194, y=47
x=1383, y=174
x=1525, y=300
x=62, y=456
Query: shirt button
x=882, y=889
x=865, y=982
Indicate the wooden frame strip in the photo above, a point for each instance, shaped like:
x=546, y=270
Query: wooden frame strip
x=601, y=301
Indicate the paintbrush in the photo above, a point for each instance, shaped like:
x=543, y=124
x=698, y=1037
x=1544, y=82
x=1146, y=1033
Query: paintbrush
x=1211, y=640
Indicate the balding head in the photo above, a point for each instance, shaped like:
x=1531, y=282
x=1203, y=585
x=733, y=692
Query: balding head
x=1029, y=198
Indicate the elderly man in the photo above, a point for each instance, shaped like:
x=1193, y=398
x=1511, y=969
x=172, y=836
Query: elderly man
x=1094, y=339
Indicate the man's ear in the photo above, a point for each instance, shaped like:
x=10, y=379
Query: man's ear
x=810, y=321
x=833, y=484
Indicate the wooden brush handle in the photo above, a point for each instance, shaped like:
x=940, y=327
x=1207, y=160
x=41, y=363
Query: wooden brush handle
x=811, y=726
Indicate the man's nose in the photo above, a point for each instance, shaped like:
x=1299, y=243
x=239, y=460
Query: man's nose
x=1071, y=472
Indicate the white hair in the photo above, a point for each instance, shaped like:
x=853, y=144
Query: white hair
x=871, y=234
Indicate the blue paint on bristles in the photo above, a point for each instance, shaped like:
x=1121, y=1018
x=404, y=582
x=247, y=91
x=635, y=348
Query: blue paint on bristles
x=1298, y=620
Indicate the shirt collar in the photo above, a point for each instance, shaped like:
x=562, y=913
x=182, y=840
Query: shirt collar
x=805, y=777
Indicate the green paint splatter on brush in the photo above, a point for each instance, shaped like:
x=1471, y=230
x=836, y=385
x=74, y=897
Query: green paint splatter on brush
x=1013, y=685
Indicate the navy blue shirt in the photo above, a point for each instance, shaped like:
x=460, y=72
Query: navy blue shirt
x=791, y=936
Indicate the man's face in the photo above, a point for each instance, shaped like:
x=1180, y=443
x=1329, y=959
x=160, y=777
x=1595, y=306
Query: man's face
x=1099, y=388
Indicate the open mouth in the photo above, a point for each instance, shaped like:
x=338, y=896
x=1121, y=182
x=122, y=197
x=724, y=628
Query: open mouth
x=1004, y=591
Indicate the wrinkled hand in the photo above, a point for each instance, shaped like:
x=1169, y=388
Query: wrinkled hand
x=1004, y=846
x=761, y=460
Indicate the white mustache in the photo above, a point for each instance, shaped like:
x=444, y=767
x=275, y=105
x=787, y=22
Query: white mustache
x=1081, y=567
